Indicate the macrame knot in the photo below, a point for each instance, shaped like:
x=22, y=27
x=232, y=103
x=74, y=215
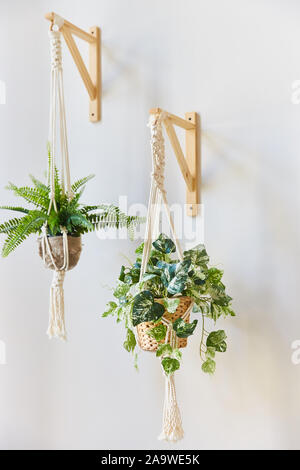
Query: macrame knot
x=172, y=426
x=57, y=326
x=58, y=279
x=70, y=194
x=159, y=179
x=158, y=150
x=52, y=195
x=55, y=50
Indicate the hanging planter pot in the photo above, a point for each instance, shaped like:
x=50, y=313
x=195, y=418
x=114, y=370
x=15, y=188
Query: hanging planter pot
x=61, y=251
x=57, y=257
x=147, y=342
x=58, y=216
x=59, y=247
x=60, y=254
x=157, y=294
x=157, y=306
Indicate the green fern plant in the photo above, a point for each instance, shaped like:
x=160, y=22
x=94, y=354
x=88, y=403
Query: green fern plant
x=77, y=218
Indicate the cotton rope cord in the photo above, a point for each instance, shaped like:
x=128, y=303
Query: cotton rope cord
x=172, y=425
x=172, y=429
x=157, y=190
x=170, y=335
x=57, y=101
x=56, y=326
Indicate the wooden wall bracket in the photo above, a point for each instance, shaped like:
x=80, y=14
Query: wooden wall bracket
x=91, y=78
x=189, y=165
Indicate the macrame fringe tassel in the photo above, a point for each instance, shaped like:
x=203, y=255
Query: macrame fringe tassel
x=172, y=426
x=56, y=328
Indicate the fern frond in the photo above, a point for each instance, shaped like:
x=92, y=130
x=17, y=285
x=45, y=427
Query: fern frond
x=35, y=196
x=81, y=182
x=73, y=204
x=10, y=225
x=94, y=219
x=30, y=223
x=39, y=185
x=113, y=217
x=57, y=186
x=86, y=209
x=131, y=232
x=103, y=207
x=15, y=208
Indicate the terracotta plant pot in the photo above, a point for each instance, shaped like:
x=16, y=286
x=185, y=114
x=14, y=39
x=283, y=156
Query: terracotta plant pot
x=56, y=245
x=146, y=342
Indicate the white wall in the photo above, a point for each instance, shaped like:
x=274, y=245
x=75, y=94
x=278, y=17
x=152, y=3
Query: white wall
x=234, y=62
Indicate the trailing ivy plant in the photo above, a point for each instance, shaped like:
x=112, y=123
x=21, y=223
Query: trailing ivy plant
x=168, y=279
x=77, y=218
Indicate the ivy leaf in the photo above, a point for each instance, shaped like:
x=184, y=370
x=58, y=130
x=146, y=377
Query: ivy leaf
x=183, y=266
x=158, y=332
x=183, y=329
x=130, y=341
x=128, y=279
x=120, y=314
x=164, y=244
x=216, y=339
x=171, y=305
x=197, y=255
x=198, y=276
x=145, y=309
x=110, y=310
x=209, y=366
x=134, y=274
x=177, y=284
x=121, y=290
x=177, y=354
x=218, y=295
x=167, y=271
x=156, y=256
x=122, y=274
x=210, y=352
x=215, y=311
x=221, y=347
x=148, y=277
x=228, y=311
x=140, y=249
x=214, y=275
x=200, y=298
x=170, y=365
x=164, y=349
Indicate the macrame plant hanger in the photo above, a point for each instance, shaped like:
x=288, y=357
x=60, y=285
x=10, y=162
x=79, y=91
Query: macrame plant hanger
x=57, y=125
x=56, y=326
x=172, y=425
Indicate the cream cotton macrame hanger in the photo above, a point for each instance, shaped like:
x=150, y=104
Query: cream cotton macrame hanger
x=56, y=326
x=157, y=190
x=172, y=426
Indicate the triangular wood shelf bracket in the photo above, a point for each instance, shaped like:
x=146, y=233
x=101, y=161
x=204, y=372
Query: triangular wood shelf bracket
x=91, y=78
x=189, y=164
